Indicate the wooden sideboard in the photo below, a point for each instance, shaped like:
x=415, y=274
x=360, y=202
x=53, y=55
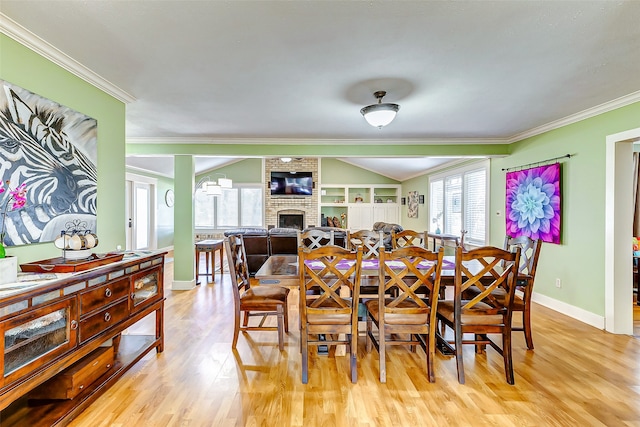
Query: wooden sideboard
x=50, y=329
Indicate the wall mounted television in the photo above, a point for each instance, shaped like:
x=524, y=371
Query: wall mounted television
x=291, y=183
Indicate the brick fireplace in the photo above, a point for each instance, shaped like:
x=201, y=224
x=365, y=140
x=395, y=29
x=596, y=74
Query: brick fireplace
x=277, y=206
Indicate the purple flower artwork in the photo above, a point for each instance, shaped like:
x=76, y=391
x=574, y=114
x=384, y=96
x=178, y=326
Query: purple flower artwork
x=533, y=203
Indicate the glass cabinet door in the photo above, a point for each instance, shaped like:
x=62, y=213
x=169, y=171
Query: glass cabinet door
x=146, y=286
x=37, y=337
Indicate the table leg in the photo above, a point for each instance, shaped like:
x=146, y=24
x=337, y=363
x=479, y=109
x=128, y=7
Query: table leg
x=221, y=262
x=197, y=265
x=208, y=261
x=213, y=265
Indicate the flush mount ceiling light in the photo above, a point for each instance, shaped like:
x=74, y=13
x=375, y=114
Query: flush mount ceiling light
x=380, y=114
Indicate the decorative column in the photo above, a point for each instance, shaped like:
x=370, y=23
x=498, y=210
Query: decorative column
x=183, y=224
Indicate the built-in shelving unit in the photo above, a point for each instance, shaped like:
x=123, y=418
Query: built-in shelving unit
x=362, y=204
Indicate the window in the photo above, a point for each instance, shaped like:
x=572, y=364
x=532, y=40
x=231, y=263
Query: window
x=458, y=201
x=236, y=207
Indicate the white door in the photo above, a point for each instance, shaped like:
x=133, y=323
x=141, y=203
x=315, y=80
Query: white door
x=140, y=210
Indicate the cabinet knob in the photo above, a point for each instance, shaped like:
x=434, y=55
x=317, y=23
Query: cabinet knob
x=133, y=295
x=107, y=316
x=74, y=325
x=108, y=293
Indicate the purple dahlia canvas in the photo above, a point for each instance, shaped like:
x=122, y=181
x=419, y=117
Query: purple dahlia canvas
x=533, y=203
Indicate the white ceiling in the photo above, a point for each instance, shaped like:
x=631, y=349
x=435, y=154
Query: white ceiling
x=301, y=70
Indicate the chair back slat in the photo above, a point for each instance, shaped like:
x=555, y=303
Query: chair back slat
x=529, y=252
x=487, y=269
x=404, y=275
x=404, y=238
x=372, y=242
x=237, y=259
x=314, y=238
x=325, y=271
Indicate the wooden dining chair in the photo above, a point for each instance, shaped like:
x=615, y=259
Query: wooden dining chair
x=372, y=242
x=529, y=253
x=486, y=269
x=329, y=313
x=400, y=239
x=314, y=238
x=400, y=311
x=262, y=301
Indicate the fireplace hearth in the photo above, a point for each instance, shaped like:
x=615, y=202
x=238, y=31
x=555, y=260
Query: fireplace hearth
x=291, y=221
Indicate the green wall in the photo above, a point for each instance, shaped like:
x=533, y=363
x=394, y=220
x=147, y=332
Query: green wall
x=421, y=185
x=247, y=171
x=333, y=171
x=579, y=260
x=23, y=67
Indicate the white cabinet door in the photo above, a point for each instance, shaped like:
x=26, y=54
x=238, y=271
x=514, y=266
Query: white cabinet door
x=360, y=217
x=389, y=213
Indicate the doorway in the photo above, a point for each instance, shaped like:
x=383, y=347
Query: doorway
x=140, y=211
x=618, y=220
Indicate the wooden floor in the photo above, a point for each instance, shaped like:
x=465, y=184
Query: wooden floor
x=576, y=376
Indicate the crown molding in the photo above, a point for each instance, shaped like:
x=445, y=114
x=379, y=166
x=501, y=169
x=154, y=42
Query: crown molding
x=623, y=101
x=27, y=38
x=313, y=141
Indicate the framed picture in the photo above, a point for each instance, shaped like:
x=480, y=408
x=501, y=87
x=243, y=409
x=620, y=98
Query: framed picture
x=412, y=212
x=421, y=199
x=403, y=201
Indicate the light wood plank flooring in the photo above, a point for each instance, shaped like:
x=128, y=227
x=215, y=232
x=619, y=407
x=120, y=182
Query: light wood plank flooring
x=576, y=376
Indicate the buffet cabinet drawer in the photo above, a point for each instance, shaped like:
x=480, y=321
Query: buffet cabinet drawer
x=70, y=382
x=103, y=295
x=102, y=320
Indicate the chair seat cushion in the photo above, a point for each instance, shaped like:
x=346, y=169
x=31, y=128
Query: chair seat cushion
x=399, y=318
x=475, y=316
x=263, y=297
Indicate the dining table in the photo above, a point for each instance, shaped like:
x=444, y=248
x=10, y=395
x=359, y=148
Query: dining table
x=282, y=270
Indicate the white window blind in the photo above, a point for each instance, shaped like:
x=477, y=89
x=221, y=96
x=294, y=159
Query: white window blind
x=475, y=205
x=436, y=206
x=458, y=201
x=453, y=204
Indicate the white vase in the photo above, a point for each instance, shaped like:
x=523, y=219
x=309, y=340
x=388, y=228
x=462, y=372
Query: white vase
x=8, y=270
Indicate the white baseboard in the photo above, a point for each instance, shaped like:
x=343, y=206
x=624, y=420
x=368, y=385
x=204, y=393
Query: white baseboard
x=569, y=310
x=183, y=285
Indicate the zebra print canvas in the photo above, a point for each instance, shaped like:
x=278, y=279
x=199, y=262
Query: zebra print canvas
x=53, y=150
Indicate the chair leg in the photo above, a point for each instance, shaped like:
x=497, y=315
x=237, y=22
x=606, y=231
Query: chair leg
x=368, y=335
x=382, y=353
x=353, y=350
x=280, y=328
x=286, y=317
x=526, y=324
x=245, y=321
x=236, y=329
x=506, y=352
x=459, y=361
x=430, y=352
x=304, y=345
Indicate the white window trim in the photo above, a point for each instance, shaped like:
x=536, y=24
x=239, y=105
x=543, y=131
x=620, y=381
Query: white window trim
x=222, y=229
x=483, y=164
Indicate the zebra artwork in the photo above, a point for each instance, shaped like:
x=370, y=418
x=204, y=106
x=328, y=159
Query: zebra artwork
x=53, y=150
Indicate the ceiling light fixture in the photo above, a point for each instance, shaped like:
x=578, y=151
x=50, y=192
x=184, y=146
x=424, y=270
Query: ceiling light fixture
x=211, y=188
x=380, y=114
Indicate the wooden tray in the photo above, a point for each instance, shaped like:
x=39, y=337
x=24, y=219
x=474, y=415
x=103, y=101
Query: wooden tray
x=62, y=265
